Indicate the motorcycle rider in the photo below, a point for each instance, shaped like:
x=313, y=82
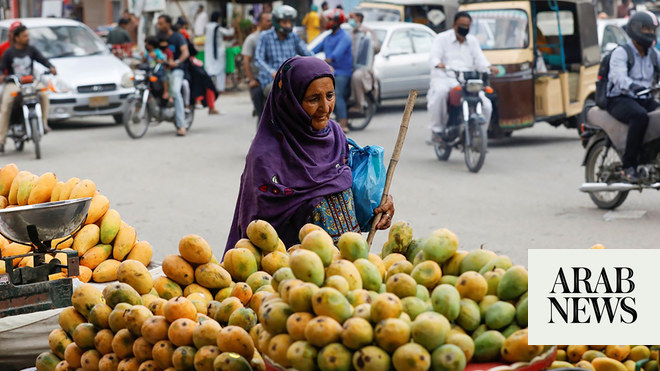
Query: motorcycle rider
x=458, y=50
x=18, y=61
x=277, y=45
x=177, y=43
x=623, y=103
x=365, y=46
x=337, y=49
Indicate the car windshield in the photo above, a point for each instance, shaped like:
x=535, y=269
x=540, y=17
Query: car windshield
x=500, y=29
x=380, y=15
x=65, y=41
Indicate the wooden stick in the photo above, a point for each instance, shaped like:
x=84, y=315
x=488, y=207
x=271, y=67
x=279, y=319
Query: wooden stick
x=403, y=129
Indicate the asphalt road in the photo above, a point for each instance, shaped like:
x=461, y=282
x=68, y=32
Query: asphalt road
x=525, y=197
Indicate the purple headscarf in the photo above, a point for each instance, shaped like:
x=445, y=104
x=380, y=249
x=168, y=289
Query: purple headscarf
x=290, y=166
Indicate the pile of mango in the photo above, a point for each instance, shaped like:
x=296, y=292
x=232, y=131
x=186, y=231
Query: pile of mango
x=129, y=327
x=103, y=242
x=607, y=357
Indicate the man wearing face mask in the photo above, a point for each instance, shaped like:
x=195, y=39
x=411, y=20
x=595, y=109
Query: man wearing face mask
x=338, y=54
x=455, y=49
x=277, y=45
x=623, y=100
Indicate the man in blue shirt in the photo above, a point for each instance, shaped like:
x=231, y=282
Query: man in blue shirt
x=277, y=45
x=623, y=101
x=338, y=54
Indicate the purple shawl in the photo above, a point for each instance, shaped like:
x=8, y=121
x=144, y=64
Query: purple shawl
x=290, y=166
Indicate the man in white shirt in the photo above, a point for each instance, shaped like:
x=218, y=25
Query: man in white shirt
x=201, y=19
x=457, y=50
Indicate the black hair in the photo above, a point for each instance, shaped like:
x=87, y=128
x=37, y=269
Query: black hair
x=17, y=31
x=123, y=21
x=180, y=22
x=340, y=6
x=215, y=16
x=360, y=15
x=261, y=16
x=462, y=14
x=324, y=4
x=153, y=41
x=166, y=18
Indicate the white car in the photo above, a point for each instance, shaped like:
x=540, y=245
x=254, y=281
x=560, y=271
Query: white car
x=90, y=80
x=611, y=34
x=403, y=61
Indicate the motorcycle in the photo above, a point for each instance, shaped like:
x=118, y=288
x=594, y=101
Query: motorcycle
x=467, y=126
x=359, y=121
x=147, y=105
x=604, y=139
x=26, y=121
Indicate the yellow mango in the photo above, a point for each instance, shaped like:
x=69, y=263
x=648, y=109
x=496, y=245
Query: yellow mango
x=13, y=249
x=43, y=189
x=84, y=274
x=55, y=194
x=56, y=276
x=124, y=242
x=7, y=175
x=86, y=238
x=110, y=224
x=85, y=188
x=13, y=190
x=24, y=188
x=141, y=252
x=106, y=271
x=62, y=256
x=67, y=188
x=195, y=249
x=96, y=255
x=97, y=208
x=3, y=202
x=2, y=267
x=135, y=274
x=62, y=243
x=608, y=364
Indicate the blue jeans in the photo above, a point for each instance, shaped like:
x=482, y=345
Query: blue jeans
x=179, y=108
x=342, y=92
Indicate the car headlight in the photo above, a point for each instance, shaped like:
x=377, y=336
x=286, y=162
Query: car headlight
x=61, y=86
x=127, y=80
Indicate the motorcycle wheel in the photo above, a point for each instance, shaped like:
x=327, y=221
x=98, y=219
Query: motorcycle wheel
x=442, y=150
x=136, y=122
x=19, y=144
x=595, y=161
x=190, y=116
x=475, y=153
x=36, y=136
x=362, y=121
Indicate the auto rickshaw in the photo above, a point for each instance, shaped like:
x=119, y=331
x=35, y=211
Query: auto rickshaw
x=436, y=14
x=548, y=56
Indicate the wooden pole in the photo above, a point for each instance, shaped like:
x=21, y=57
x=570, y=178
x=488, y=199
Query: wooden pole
x=403, y=129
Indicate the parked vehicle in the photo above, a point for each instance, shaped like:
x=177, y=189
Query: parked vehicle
x=611, y=34
x=467, y=125
x=403, y=61
x=605, y=145
x=548, y=56
x=436, y=14
x=146, y=105
x=26, y=121
x=90, y=80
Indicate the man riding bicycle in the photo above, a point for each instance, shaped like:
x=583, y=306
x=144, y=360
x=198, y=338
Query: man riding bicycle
x=18, y=61
x=458, y=50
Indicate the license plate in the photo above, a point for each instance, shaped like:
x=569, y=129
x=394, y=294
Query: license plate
x=99, y=101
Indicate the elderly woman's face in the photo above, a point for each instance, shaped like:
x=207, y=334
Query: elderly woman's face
x=319, y=101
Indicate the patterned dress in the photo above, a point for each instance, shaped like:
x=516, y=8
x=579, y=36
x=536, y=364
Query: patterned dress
x=336, y=214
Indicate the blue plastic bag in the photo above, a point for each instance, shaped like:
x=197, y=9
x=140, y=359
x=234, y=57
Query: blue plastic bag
x=369, y=174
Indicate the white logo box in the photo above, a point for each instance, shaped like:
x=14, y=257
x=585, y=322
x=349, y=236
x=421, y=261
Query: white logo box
x=544, y=266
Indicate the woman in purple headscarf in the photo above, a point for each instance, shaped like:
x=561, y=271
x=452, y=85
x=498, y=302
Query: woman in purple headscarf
x=296, y=170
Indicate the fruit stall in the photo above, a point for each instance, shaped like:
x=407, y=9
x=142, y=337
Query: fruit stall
x=425, y=303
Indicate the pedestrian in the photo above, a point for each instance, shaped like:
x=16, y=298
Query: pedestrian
x=338, y=54
x=277, y=45
x=215, y=60
x=249, y=65
x=312, y=23
x=180, y=55
x=296, y=170
x=119, y=35
x=182, y=26
x=200, y=21
x=365, y=45
x=324, y=8
x=132, y=27
x=623, y=10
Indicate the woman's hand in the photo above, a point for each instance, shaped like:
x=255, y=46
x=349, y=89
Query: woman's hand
x=387, y=209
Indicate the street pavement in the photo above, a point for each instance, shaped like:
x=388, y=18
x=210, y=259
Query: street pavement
x=525, y=197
